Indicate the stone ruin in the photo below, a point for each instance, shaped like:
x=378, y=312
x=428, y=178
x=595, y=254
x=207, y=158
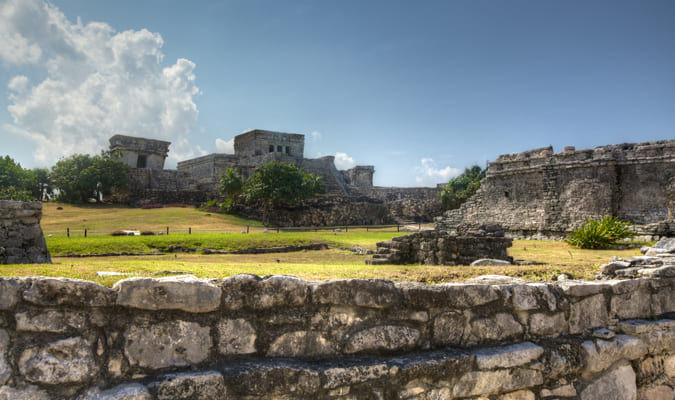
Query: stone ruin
x=251, y=338
x=435, y=247
x=540, y=194
x=21, y=238
x=351, y=197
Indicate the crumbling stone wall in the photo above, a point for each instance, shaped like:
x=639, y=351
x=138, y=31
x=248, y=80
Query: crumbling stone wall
x=541, y=194
x=21, y=238
x=246, y=337
x=444, y=248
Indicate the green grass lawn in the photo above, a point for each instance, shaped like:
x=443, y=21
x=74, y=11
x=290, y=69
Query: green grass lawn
x=333, y=263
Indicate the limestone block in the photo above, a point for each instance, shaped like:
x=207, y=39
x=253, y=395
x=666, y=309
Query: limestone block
x=666, y=271
x=662, y=392
x=494, y=382
x=534, y=296
x=601, y=354
x=208, y=385
x=657, y=335
x=563, y=359
x=514, y=355
x=347, y=376
x=665, y=244
x=185, y=293
x=583, y=288
x=55, y=321
x=639, y=326
x=251, y=291
x=5, y=368
x=560, y=391
x=448, y=328
x=374, y=293
x=27, y=393
x=588, y=313
x=278, y=381
x=447, y=295
x=385, y=337
x=64, y=361
x=301, y=344
x=129, y=391
x=519, y=395
x=669, y=366
x=9, y=292
x=663, y=301
x=497, y=327
x=489, y=261
x=636, y=304
x=617, y=384
x=650, y=369
x=70, y=292
x=168, y=344
x=236, y=336
x=547, y=325
x=496, y=280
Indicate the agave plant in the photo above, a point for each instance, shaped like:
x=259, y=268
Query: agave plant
x=600, y=234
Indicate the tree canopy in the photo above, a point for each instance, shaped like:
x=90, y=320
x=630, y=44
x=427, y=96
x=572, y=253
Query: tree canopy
x=81, y=177
x=459, y=189
x=17, y=183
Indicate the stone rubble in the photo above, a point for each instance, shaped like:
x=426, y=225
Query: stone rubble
x=658, y=261
x=277, y=337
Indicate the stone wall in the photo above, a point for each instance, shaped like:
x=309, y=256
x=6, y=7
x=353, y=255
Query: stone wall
x=542, y=194
x=246, y=337
x=21, y=238
x=444, y=248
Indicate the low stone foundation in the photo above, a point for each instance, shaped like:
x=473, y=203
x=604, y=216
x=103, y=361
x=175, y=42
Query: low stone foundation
x=21, y=238
x=246, y=337
x=444, y=248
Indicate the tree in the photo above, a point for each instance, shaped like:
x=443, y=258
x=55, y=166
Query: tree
x=459, y=189
x=81, y=177
x=231, y=185
x=40, y=184
x=14, y=180
x=278, y=184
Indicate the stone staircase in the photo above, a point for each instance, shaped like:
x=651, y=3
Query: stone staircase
x=385, y=254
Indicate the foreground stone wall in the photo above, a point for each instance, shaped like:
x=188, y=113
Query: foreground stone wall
x=246, y=337
x=21, y=238
x=540, y=194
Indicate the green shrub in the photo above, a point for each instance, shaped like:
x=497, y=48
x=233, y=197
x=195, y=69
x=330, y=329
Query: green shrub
x=600, y=234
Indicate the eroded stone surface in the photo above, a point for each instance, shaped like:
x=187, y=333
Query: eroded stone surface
x=661, y=392
x=588, y=313
x=208, y=385
x=447, y=295
x=601, y=354
x=448, y=328
x=533, y=296
x=519, y=395
x=56, y=321
x=560, y=391
x=185, y=293
x=386, y=337
x=548, y=325
x=514, y=355
x=301, y=344
x=337, y=377
x=631, y=305
x=64, y=361
x=236, y=336
x=375, y=293
x=618, y=384
x=71, y=292
x=130, y=391
x=9, y=292
x=498, y=327
x=5, y=369
x=27, y=393
x=168, y=344
x=499, y=381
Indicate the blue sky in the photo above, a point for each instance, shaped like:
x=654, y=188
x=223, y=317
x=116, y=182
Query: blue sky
x=420, y=90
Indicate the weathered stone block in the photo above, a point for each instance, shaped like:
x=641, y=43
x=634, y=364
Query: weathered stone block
x=583, y=288
x=533, y=296
x=519, y=395
x=449, y=295
x=448, y=328
x=236, y=336
x=185, y=293
x=5, y=368
x=547, y=325
x=560, y=391
x=494, y=382
x=635, y=304
x=514, y=355
x=251, y=291
x=588, y=313
x=56, y=321
x=71, y=292
x=618, y=384
x=497, y=327
x=374, y=293
x=601, y=354
x=382, y=338
x=338, y=376
x=64, y=361
x=208, y=385
x=302, y=344
x=129, y=391
x=661, y=392
x=9, y=292
x=27, y=393
x=167, y=344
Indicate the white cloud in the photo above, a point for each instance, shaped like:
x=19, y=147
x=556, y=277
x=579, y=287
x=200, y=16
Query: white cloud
x=315, y=135
x=343, y=161
x=429, y=174
x=226, y=147
x=98, y=83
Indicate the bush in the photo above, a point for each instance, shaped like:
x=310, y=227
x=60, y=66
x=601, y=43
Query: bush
x=600, y=234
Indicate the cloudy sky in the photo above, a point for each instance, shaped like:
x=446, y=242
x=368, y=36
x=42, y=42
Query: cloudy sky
x=420, y=90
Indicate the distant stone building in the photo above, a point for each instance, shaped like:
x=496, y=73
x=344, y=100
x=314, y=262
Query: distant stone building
x=197, y=180
x=540, y=194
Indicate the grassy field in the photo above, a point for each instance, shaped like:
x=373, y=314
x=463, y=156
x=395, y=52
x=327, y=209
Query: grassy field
x=333, y=263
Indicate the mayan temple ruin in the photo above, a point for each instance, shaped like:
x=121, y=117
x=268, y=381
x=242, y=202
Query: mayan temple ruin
x=351, y=198
x=541, y=194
